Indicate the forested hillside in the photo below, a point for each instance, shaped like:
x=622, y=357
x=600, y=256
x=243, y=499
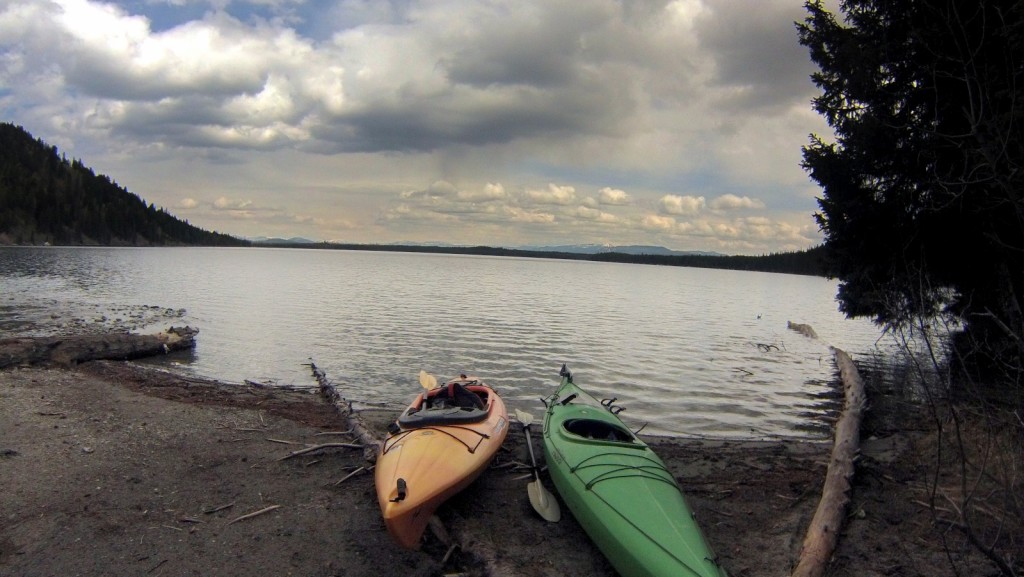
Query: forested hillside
x=45, y=198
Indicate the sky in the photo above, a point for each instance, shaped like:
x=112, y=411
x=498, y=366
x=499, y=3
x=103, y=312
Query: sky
x=471, y=122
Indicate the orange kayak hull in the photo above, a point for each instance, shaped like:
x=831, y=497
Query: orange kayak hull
x=436, y=453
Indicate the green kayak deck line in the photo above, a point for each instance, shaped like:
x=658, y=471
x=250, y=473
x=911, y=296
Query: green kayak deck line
x=620, y=491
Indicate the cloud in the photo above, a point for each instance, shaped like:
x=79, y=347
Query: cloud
x=733, y=202
x=553, y=194
x=489, y=192
x=755, y=53
x=223, y=203
x=188, y=203
x=521, y=120
x=661, y=223
x=613, y=196
x=674, y=204
x=594, y=215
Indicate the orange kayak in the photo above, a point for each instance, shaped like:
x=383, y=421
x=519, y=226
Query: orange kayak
x=444, y=440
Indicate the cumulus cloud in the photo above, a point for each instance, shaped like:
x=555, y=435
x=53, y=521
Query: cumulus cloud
x=688, y=205
x=613, y=196
x=591, y=214
x=733, y=202
x=656, y=222
x=553, y=194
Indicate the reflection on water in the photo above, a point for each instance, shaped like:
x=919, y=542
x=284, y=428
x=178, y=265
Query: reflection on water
x=689, y=351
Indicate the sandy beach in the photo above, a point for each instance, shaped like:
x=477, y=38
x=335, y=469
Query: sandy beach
x=116, y=468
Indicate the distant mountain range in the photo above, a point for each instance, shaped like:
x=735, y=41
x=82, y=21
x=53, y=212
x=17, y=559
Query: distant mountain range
x=276, y=240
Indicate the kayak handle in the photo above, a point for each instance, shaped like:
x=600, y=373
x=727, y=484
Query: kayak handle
x=568, y=399
x=402, y=489
x=608, y=402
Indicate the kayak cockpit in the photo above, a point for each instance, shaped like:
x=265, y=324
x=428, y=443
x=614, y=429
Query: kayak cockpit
x=598, y=430
x=457, y=402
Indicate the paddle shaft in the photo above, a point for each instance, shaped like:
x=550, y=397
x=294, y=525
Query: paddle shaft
x=529, y=446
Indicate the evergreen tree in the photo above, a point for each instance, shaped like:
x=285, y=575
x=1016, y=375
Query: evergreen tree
x=921, y=205
x=46, y=198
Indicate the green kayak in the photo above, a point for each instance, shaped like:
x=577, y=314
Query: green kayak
x=620, y=491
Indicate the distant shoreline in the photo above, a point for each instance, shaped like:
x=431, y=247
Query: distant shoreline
x=810, y=262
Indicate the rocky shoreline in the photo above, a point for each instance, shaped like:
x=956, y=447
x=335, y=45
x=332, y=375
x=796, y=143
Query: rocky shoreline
x=115, y=468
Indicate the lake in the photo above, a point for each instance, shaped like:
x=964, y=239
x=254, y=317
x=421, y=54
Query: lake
x=687, y=351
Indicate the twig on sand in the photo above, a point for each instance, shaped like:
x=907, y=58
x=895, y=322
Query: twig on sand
x=354, y=473
x=254, y=514
x=283, y=442
x=221, y=508
x=318, y=447
x=325, y=433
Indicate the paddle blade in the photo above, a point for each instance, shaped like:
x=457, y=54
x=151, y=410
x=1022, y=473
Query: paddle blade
x=543, y=502
x=525, y=418
x=427, y=380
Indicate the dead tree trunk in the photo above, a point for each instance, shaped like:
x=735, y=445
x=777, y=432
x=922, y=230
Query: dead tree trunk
x=72, y=350
x=823, y=532
x=363, y=435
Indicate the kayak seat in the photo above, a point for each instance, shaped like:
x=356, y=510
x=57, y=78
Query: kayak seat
x=454, y=405
x=463, y=397
x=598, y=430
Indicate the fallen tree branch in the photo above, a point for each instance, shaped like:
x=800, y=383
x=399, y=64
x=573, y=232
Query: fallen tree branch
x=823, y=532
x=369, y=440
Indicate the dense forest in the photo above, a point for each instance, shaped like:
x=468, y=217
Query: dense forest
x=44, y=198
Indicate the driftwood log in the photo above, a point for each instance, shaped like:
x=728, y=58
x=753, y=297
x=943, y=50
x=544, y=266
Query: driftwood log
x=71, y=350
x=805, y=330
x=823, y=532
x=364, y=436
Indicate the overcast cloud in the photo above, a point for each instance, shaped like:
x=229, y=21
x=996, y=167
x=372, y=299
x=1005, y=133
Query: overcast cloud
x=500, y=123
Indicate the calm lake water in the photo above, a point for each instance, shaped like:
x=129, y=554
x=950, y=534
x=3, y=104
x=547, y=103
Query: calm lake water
x=688, y=351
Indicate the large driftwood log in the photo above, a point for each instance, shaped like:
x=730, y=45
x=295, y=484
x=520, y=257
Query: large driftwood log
x=72, y=350
x=362, y=433
x=823, y=532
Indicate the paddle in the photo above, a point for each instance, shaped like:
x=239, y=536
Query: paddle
x=427, y=380
x=543, y=501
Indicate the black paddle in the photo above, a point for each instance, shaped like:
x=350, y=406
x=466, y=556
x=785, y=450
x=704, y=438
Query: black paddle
x=542, y=500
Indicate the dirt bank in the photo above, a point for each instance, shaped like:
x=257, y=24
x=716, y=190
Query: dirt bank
x=112, y=468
